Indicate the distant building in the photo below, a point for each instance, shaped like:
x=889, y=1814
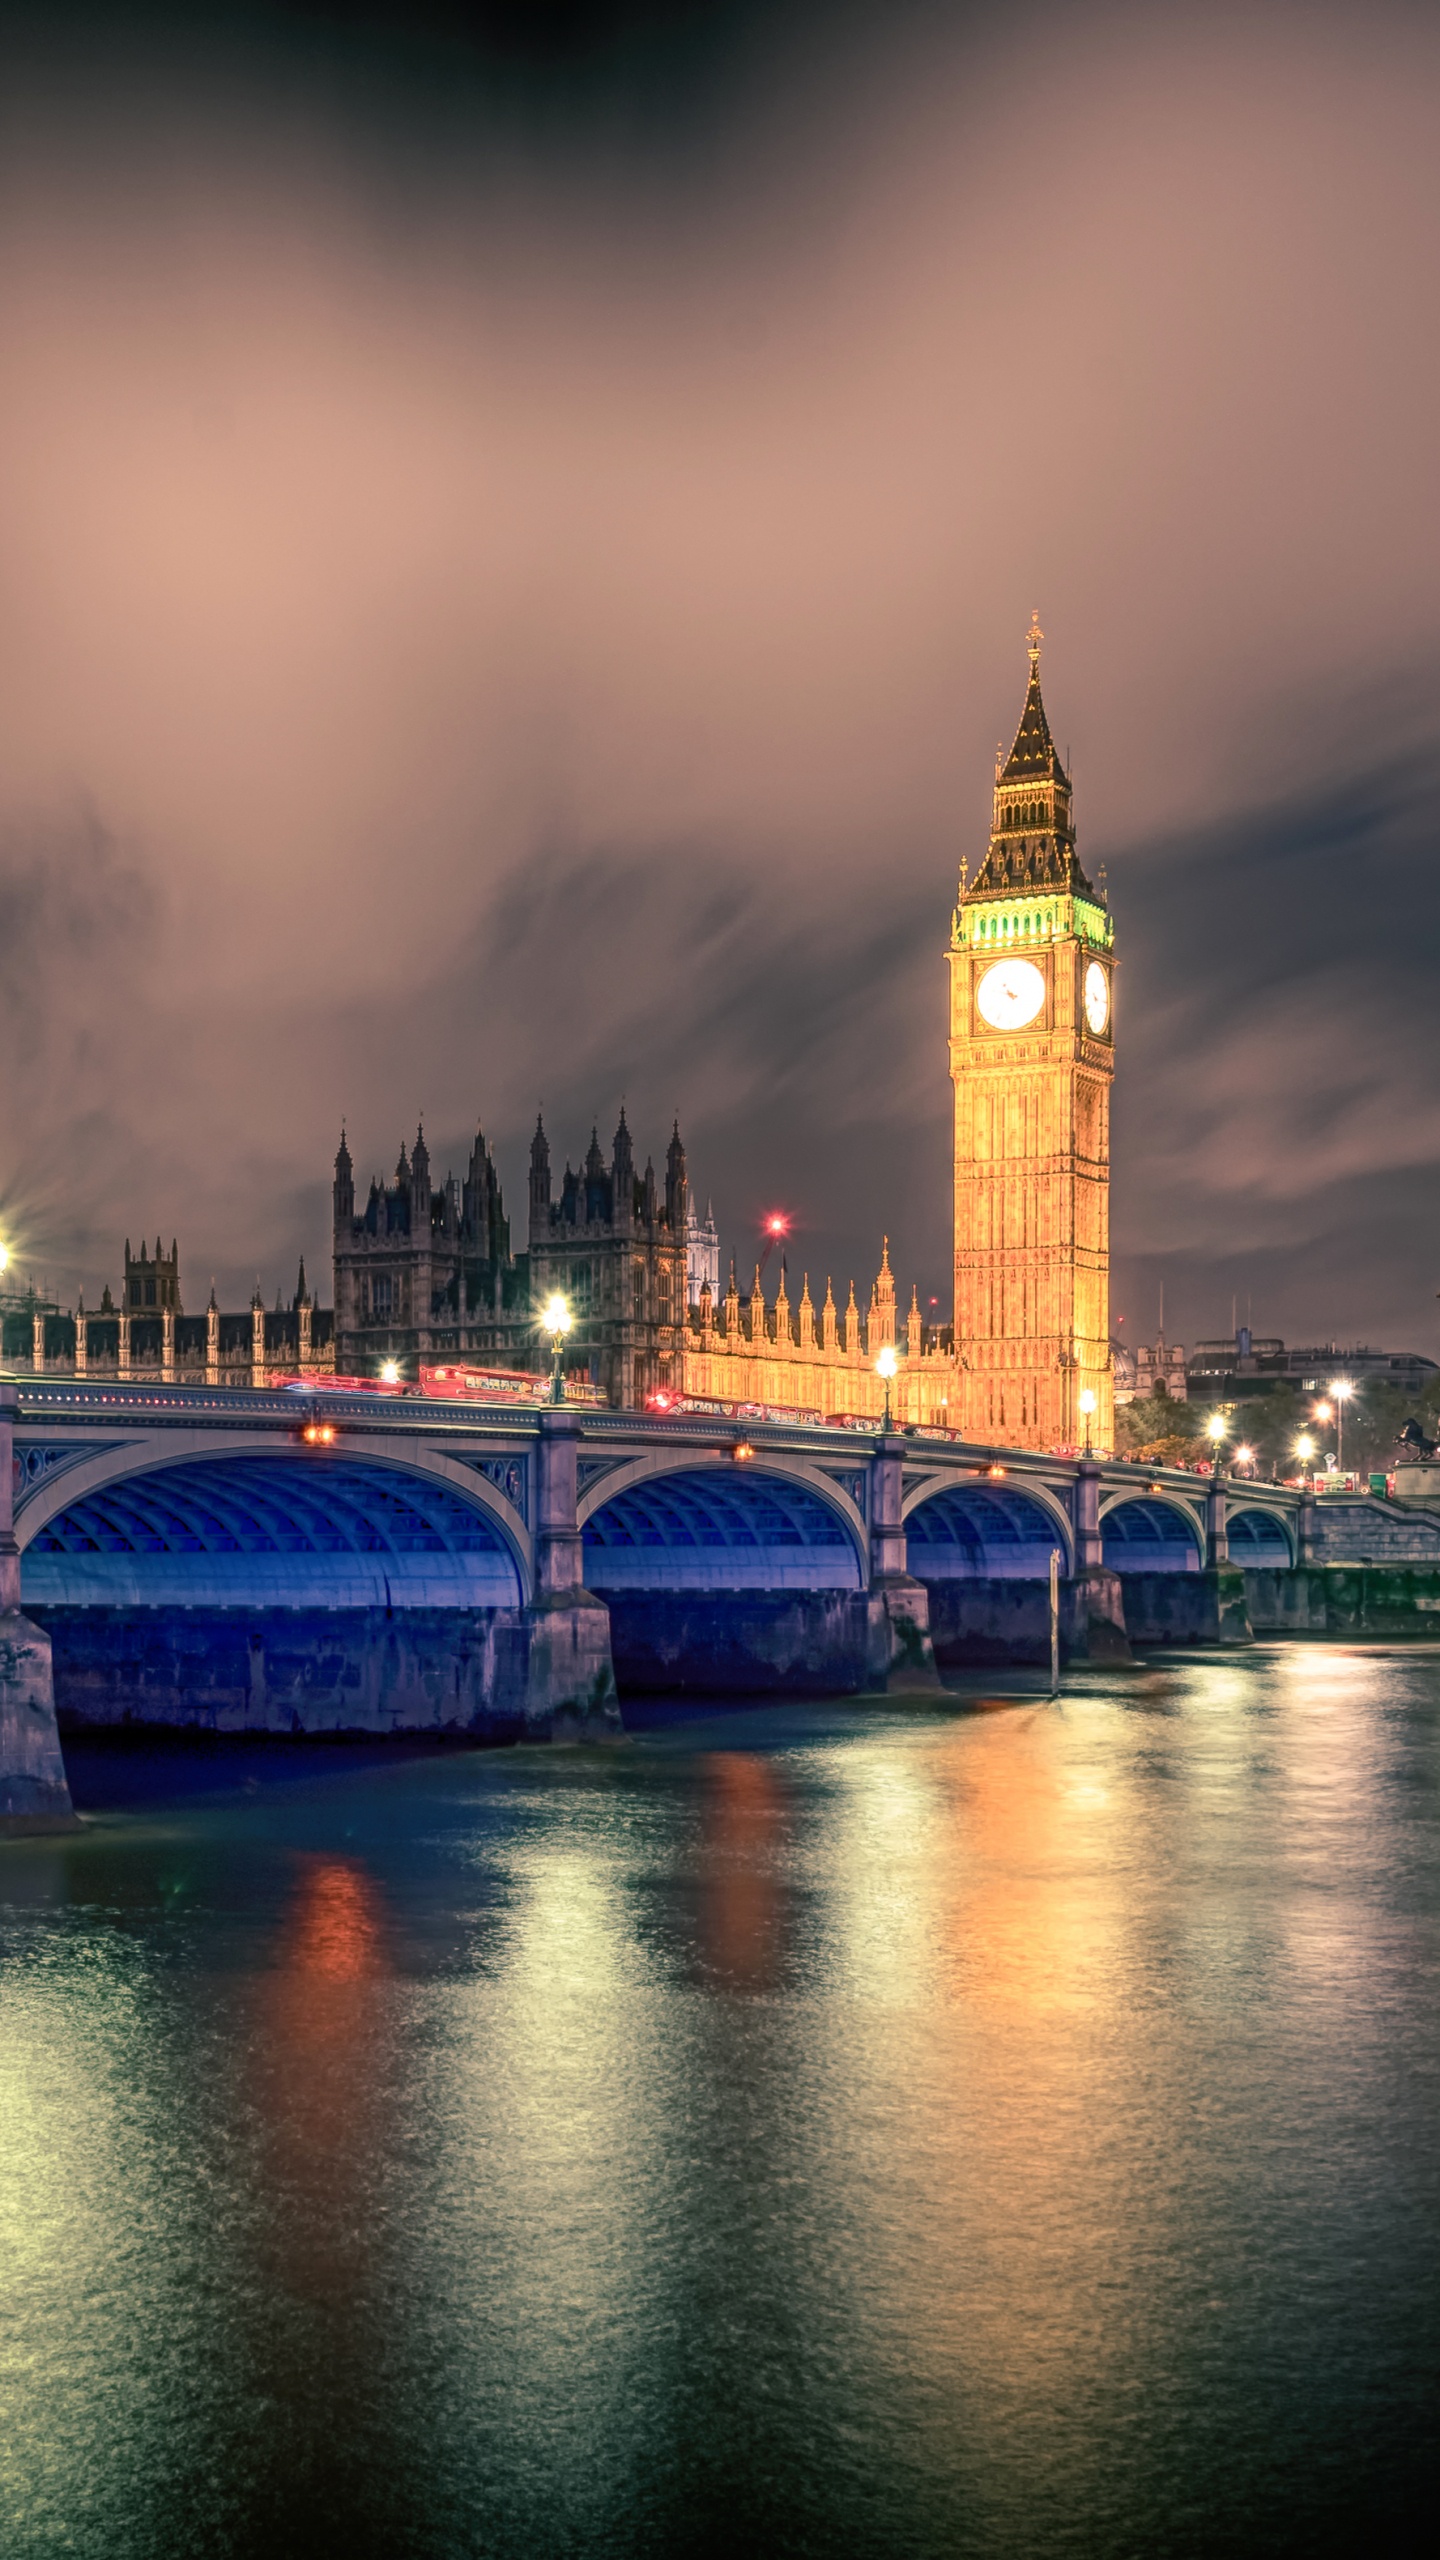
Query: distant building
x=151, y=1286
x=1144, y=1371
x=423, y=1273
x=617, y=1248
x=1247, y=1365
x=149, y=1339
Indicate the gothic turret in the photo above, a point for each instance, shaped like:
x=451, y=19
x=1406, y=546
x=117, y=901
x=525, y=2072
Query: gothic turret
x=539, y=1172
x=622, y=1172
x=597, y=1189
x=343, y=1194
x=677, y=1189
x=420, y=1179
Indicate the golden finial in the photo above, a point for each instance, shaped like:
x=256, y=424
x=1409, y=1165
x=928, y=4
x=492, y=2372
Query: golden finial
x=1033, y=638
x=964, y=875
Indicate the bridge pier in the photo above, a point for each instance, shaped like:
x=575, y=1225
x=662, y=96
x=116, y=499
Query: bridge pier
x=901, y=1654
x=1226, y=1617
x=34, y=1790
x=570, y=1674
x=1100, y=1618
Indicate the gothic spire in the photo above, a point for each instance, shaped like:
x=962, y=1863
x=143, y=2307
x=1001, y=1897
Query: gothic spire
x=1032, y=839
x=1034, y=754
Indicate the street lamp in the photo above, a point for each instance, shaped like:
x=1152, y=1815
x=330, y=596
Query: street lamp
x=887, y=1362
x=1305, y=1452
x=557, y=1320
x=1215, y=1429
x=1088, y=1402
x=1245, y=1457
x=1340, y=1388
x=4, y=1257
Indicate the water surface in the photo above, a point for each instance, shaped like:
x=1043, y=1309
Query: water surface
x=814, y=2129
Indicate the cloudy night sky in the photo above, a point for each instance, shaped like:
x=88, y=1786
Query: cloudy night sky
x=516, y=534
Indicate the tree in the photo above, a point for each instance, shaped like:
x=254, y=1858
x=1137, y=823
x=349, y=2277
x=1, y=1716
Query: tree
x=1159, y=1429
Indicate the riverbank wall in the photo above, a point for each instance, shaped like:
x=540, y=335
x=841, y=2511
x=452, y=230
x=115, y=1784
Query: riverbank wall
x=1339, y=1600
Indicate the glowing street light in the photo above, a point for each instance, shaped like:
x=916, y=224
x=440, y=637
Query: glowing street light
x=1088, y=1402
x=390, y=1373
x=1340, y=1388
x=1305, y=1451
x=1216, y=1429
x=4, y=1257
x=556, y=1320
x=887, y=1361
x=1245, y=1457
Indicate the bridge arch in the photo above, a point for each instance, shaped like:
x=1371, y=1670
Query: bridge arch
x=700, y=1521
x=1259, y=1535
x=238, y=1521
x=977, y=1526
x=1151, y=1533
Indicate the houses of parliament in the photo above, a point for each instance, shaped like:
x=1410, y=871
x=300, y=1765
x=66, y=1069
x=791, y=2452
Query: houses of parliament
x=426, y=1271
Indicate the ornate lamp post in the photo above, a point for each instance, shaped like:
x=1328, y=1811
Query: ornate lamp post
x=1305, y=1452
x=557, y=1320
x=1216, y=1429
x=887, y=1361
x=1088, y=1402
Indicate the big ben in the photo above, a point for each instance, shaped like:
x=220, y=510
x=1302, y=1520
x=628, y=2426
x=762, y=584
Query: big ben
x=1032, y=1055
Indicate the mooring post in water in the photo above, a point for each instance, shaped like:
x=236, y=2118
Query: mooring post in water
x=1054, y=1622
x=34, y=1790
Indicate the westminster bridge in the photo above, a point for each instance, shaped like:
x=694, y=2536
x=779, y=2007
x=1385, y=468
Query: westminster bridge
x=272, y=1559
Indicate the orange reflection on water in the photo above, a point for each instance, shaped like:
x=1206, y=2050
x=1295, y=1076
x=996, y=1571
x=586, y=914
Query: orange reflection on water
x=335, y=1923
x=320, y=2067
x=1032, y=1913
x=742, y=1902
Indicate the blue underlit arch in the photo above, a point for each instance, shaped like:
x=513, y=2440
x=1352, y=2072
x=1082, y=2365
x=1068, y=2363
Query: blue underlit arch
x=990, y=1530
x=1150, y=1536
x=719, y=1529
x=1259, y=1537
x=277, y=1532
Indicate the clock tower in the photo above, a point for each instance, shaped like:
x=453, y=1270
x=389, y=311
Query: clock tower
x=1032, y=1055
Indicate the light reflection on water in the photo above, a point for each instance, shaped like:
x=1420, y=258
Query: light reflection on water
x=812, y=2129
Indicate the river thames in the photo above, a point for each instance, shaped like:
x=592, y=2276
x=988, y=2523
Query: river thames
x=817, y=2129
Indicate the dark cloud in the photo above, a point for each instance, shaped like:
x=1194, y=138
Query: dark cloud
x=77, y=1051
x=1278, y=1143
x=532, y=596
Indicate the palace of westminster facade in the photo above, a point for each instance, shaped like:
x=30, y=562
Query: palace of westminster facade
x=426, y=1273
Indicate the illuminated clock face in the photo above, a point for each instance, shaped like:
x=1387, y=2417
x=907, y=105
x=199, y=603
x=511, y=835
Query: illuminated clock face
x=1011, y=994
x=1097, y=997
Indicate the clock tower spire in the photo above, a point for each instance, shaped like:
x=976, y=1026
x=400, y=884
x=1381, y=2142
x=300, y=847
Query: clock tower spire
x=1032, y=1057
